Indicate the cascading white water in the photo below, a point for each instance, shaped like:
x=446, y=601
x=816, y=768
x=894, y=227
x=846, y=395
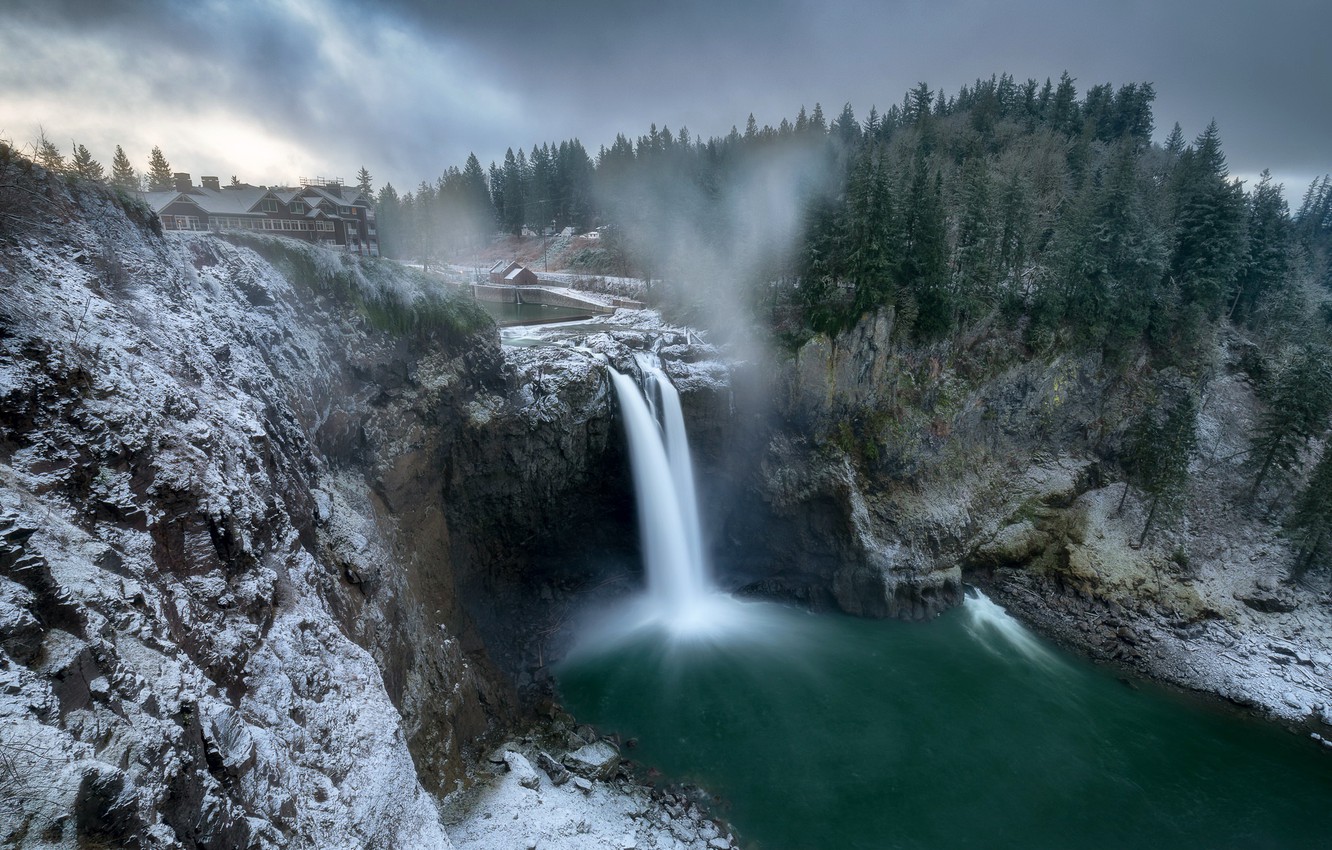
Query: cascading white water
x=674, y=580
x=681, y=596
x=682, y=469
x=987, y=619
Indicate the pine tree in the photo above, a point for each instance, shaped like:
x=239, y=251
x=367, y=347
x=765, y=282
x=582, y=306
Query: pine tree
x=845, y=129
x=47, y=154
x=122, y=173
x=975, y=270
x=1110, y=257
x=365, y=183
x=925, y=252
x=481, y=213
x=388, y=214
x=872, y=252
x=1310, y=522
x=84, y=165
x=1174, y=144
x=1064, y=115
x=159, y=173
x=1298, y=403
x=1209, y=215
x=1159, y=452
x=1267, y=262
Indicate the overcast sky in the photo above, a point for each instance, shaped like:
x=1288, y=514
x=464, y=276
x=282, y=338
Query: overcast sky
x=273, y=90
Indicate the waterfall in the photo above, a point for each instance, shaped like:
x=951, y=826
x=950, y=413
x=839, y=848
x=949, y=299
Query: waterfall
x=987, y=620
x=682, y=466
x=678, y=588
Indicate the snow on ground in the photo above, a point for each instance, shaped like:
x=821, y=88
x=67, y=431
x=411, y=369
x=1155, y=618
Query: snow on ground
x=167, y=673
x=577, y=814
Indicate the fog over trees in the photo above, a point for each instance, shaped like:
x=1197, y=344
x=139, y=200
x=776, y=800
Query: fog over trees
x=1025, y=205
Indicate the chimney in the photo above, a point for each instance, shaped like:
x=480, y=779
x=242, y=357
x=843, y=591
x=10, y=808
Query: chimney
x=211, y=183
x=182, y=181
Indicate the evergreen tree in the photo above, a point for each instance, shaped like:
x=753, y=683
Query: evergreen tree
x=476, y=195
x=1064, y=115
x=1160, y=452
x=845, y=129
x=871, y=240
x=159, y=172
x=975, y=267
x=365, y=183
x=1174, y=144
x=1208, y=224
x=388, y=215
x=925, y=252
x=1298, y=403
x=84, y=165
x=1015, y=235
x=1310, y=522
x=1267, y=262
x=1111, y=257
x=48, y=155
x=122, y=173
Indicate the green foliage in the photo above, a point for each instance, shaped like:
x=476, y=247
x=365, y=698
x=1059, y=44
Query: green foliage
x=1159, y=447
x=1299, y=401
x=122, y=173
x=159, y=174
x=83, y=165
x=393, y=299
x=1309, y=524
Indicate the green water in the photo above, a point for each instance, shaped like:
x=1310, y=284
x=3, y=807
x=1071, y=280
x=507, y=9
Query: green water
x=832, y=732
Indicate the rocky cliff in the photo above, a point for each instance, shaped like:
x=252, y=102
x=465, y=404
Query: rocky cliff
x=904, y=471
x=285, y=539
x=226, y=598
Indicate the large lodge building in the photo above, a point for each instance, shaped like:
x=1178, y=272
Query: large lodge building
x=322, y=211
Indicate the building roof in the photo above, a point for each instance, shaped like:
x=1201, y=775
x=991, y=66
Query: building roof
x=228, y=201
x=518, y=272
x=244, y=200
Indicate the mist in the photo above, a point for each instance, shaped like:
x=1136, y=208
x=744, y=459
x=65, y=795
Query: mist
x=712, y=242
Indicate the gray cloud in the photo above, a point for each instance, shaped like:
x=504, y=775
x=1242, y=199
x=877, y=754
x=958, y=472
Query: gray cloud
x=409, y=87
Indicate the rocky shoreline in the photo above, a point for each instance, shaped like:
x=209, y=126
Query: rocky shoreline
x=583, y=796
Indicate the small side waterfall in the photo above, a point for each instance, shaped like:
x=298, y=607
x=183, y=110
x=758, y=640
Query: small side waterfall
x=987, y=620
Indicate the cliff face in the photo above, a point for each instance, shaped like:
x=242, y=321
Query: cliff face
x=280, y=531
x=286, y=536
x=897, y=473
x=226, y=605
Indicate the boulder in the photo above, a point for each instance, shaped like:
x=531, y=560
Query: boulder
x=520, y=767
x=553, y=769
x=597, y=760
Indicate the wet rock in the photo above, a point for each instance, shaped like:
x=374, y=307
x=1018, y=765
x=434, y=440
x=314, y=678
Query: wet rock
x=597, y=760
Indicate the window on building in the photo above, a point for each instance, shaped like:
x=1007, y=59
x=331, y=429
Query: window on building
x=298, y=207
x=344, y=211
x=269, y=205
